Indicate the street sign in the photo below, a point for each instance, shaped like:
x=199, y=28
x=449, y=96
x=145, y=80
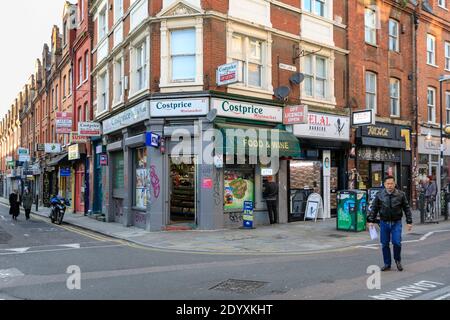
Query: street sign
x=63, y=122
x=363, y=118
x=248, y=215
x=89, y=129
x=288, y=67
x=228, y=74
x=152, y=139
x=295, y=115
x=65, y=172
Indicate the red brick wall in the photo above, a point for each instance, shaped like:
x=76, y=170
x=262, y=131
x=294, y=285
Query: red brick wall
x=285, y=20
x=214, y=51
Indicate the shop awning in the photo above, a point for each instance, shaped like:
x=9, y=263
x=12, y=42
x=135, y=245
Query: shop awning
x=56, y=160
x=248, y=140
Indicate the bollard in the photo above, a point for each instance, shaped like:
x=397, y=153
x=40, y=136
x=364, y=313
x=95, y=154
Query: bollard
x=37, y=203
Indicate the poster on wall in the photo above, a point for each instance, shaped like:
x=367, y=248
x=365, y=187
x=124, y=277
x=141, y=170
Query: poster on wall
x=142, y=176
x=239, y=188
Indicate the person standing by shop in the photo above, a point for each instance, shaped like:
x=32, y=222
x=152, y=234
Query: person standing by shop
x=430, y=194
x=27, y=202
x=390, y=203
x=14, y=204
x=270, y=194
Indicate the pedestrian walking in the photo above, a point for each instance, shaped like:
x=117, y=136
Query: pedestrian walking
x=390, y=203
x=270, y=194
x=430, y=194
x=14, y=204
x=27, y=202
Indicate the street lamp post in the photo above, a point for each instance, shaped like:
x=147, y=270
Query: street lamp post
x=441, y=147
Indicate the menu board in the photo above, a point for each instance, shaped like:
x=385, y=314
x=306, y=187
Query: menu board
x=239, y=188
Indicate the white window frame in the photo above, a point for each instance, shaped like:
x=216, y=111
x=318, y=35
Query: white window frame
x=118, y=10
x=144, y=65
x=373, y=93
x=370, y=27
x=102, y=18
x=102, y=92
x=394, y=39
x=245, y=59
x=119, y=92
x=447, y=55
x=314, y=77
x=186, y=54
x=313, y=7
x=86, y=65
x=395, y=100
x=442, y=4
x=431, y=105
x=80, y=71
x=431, y=50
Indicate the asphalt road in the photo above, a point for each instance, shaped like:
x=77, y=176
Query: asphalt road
x=37, y=261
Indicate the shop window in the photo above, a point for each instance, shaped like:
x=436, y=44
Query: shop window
x=141, y=182
x=118, y=171
x=239, y=184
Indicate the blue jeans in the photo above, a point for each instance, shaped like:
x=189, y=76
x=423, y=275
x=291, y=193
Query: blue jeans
x=390, y=230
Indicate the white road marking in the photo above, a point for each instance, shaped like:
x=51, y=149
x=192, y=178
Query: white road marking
x=26, y=235
x=10, y=273
x=443, y=297
x=369, y=247
x=423, y=238
x=74, y=245
x=441, y=293
x=19, y=250
x=409, y=291
x=62, y=249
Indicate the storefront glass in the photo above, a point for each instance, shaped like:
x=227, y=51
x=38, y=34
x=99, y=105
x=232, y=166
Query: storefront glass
x=239, y=186
x=377, y=174
x=182, y=190
x=141, y=178
x=118, y=170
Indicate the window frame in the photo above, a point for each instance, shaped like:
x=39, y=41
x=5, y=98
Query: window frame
x=192, y=55
x=118, y=81
x=118, y=14
x=373, y=94
x=102, y=92
x=447, y=106
x=431, y=106
x=447, y=55
x=141, y=65
x=86, y=65
x=433, y=52
x=396, y=99
x=313, y=7
x=372, y=29
x=394, y=37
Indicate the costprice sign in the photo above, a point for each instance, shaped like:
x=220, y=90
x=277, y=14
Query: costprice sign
x=89, y=129
x=247, y=110
x=227, y=74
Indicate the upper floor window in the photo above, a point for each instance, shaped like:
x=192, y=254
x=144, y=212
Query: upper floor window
x=393, y=35
x=249, y=53
x=182, y=54
x=431, y=103
x=118, y=81
x=56, y=96
x=65, y=33
x=141, y=66
x=315, y=6
x=70, y=81
x=102, y=92
x=431, y=49
x=447, y=105
x=441, y=3
x=102, y=24
x=81, y=3
x=64, y=93
x=395, y=97
x=447, y=56
x=370, y=19
x=371, y=91
x=86, y=65
x=315, y=84
x=80, y=70
x=87, y=114
x=118, y=9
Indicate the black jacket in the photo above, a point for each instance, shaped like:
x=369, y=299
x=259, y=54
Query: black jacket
x=270, y=191
x=390, y=207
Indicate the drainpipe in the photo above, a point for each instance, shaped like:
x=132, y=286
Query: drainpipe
x=415, y=26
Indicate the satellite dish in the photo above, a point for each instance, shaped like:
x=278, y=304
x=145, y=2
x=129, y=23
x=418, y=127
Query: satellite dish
x=211, y=115
x=297, y=78
x=282, y=92
x=427, y=7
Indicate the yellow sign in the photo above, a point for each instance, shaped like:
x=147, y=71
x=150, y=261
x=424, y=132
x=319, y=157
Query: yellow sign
x=407, y=135
x=74, y=152
x=378, y=131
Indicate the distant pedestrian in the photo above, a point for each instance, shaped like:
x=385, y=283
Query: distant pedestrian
x=270, y=194
x=27, y=202
x=430, y=193
x=14, y=204
x=390, y=203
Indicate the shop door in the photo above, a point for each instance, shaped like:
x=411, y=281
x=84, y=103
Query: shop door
x=406, y=180
x=183, y=194
x=98, y=188
x=79, y=190
x=376, y=173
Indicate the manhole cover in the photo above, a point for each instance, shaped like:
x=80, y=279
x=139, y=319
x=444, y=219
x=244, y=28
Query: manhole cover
x=239, y=286
x=337, y=236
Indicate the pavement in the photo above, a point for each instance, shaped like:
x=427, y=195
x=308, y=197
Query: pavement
x=293, y=238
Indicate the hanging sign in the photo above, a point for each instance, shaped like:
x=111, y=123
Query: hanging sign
x=63, y=122
x=103, y=159
x=89, y=129
x=363, y=118
x=152, y=139
x=295, y=114
x=52, y=148
x=228, y=74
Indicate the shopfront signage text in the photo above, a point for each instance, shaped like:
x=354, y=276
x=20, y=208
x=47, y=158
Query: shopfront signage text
x=363, y=118
x=74, y=152
x=65, y=172
x=129, y=117
x=176, y=108
x=76, y=138
x=245, y=110
x=63, y=122
x=378, y=131
x=89, y=129
x=295, y=115
x=24, y=154
x=324, y=126
x=227, y=74
x=378, y=154
x=288, y=67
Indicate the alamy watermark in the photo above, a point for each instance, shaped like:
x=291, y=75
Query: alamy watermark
x=74, y=280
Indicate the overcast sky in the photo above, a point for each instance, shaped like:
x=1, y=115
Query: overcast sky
x=25, y=25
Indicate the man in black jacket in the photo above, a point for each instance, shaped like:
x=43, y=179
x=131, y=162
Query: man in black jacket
x=270, y=194
x=390, y=203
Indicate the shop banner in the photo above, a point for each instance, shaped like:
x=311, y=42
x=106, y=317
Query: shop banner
x=74, y=152
x=63, y=122
x=295, y=115
x=52, y=148
x=76, y=138
x=247, y=110
x=89, y=129
x=324, y=126
x=177, y=108
x=129, y=117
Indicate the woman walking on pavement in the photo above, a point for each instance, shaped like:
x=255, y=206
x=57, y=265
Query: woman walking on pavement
x=27, y=202
x=14, y=204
